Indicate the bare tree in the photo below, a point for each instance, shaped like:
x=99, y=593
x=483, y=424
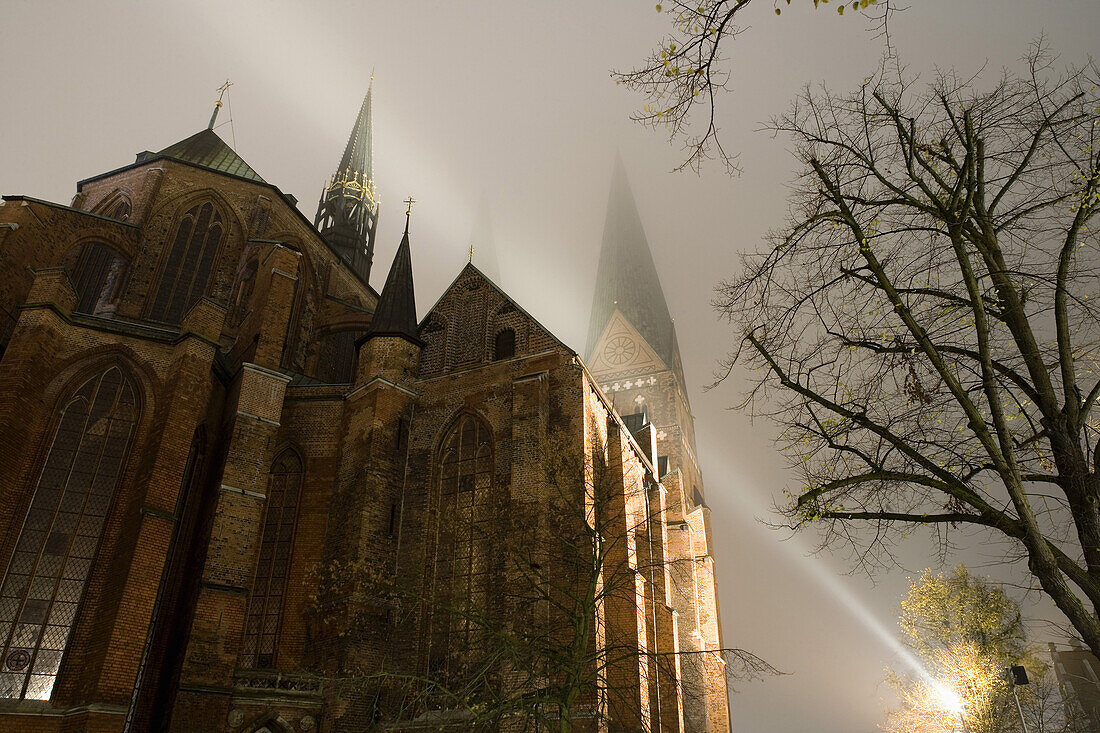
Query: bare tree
x=684, y=77
x=924, y=327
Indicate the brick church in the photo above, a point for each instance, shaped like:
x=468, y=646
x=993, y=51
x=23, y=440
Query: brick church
x=241, y=490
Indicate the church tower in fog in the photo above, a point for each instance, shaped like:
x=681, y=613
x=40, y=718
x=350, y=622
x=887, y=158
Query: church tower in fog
x=633, y=354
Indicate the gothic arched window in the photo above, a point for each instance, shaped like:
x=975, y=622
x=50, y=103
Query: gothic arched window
x=504, y=345
x=53, y=556
x=97, y=278
x=116, y=206
x=465, y=510
x=120, y=210
x=190, y=262
x=265, y=606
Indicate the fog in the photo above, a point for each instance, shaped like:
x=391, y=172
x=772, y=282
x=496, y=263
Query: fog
x=502, y=117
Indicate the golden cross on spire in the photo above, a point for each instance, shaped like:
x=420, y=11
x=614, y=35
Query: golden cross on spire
x=223, y=89
x=218, y=105
x=471, y=253
x=409, y=205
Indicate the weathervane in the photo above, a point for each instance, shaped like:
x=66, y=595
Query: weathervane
x=218, y=105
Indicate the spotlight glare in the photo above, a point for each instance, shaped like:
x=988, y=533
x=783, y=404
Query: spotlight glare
x=949, y=699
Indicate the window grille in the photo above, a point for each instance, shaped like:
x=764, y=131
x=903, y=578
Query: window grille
x=97, y=278
x=465, y=533
x=57, y=544
x=189, y=265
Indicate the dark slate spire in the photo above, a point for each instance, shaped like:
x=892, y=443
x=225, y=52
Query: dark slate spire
x=627, y=278
x=347, y=214
x=359, y=153
x=396, y=311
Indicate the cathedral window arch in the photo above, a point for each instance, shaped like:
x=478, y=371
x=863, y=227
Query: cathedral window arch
x=465, y=510
x=97, y=278
x=504, y=345
x=186, y=273
x=121, y=210
x=47, y=574
x=265, y=605
x=116, y=206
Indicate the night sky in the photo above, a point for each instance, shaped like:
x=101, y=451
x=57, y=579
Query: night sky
x=508, y=108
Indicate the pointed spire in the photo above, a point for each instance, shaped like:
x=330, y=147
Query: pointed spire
x=358, y=157
x=347, y=215
x=396, y=311
x=627, y=278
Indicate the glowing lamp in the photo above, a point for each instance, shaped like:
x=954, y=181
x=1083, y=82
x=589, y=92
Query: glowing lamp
x=949, y=699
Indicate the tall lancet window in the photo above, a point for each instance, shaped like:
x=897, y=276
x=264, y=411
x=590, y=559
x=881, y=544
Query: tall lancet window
x=96, y=278
x=464, y=511
x=265, y=607
x=189, y=265
x=53, y=556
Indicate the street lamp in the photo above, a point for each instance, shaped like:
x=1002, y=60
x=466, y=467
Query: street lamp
x=1017, y=675
x=951, y=701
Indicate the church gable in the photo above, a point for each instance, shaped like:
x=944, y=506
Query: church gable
x=475, y=322
x=622, y=350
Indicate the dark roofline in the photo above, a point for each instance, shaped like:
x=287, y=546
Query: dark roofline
x=286, y=199
x=398, y=334
x=349, y=304
x=472, y=266
x=154, y=157
x=63, y=207
x=288, y=245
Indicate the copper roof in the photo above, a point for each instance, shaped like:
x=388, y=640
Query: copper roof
x=208, y=150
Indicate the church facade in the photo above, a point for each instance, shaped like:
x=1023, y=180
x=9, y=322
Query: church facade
x=241, y=490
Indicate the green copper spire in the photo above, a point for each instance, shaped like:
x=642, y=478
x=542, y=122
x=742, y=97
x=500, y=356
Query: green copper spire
x=347, y=214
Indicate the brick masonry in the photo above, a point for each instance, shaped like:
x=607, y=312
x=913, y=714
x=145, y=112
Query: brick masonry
x=160, y=629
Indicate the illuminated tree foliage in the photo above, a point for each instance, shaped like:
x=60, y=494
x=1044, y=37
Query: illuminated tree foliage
x=682, y=78
x=967, y=631
x=924, y=327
